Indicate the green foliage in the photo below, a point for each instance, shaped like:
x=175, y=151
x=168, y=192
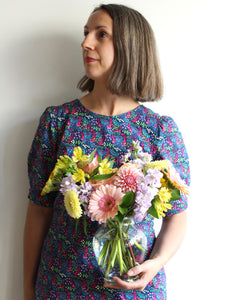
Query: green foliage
x=153, y=212
x=128, y=199
x=175, y=195
x=95, y=171
x=126, y=207
x=99, y=158
x=144, y=170
x=102, y=176
x=92, y=155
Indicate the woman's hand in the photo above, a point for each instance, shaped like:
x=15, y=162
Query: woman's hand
x=168, y=241
x=146, y=271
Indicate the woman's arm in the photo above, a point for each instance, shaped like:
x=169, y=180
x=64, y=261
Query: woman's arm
x=37, y=224
x=167, y=243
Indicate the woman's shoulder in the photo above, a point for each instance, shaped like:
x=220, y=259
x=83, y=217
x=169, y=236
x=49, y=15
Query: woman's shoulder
x=63, y=109
x=156, y=121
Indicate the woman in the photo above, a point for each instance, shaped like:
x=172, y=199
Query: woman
x=122, y=69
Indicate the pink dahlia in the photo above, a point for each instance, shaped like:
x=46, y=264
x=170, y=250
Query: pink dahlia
x=104, y=202
x=126, y=178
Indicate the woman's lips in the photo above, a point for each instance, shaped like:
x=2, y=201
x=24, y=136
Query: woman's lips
x=89, y=59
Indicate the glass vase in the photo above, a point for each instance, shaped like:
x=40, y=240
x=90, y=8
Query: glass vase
x=118, y=247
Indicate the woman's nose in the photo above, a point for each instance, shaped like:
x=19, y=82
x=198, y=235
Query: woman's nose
x=88, y=42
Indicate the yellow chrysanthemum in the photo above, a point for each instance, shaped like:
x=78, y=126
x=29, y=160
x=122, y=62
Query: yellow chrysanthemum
x=164, y=182
x=164, y=194
x=161, y=207
x=79, y=176
x=158, y=164
x=79, y=156
x=72, y=204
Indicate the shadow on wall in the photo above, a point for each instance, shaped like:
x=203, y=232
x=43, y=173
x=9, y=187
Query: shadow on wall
x=43, y=70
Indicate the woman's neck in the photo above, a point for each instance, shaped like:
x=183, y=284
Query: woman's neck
x=103, y=102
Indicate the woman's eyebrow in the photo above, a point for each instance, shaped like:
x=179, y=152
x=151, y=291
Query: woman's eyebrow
x=97, y=27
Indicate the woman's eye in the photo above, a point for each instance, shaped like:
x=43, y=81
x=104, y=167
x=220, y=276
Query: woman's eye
x=85, y=33
x=102, y=34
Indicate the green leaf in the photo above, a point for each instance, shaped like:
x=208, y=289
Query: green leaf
x=153, y=212
x=144, y=170
x=95, y=171
x=102, y=176
x=92, y=155
x=119, y=217
x=122, y=210
x=128, y=199
x=175, y=195
x=99, y=158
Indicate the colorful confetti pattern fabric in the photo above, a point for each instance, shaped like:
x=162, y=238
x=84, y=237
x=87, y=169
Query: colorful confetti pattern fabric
x=68, y=269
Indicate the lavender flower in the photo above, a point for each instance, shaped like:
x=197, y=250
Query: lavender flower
x=142, y=204
x=153, y=178
x=143, y=198
x=68, y=184
x=147, y=189
x=85, y=191
x=145, y=157
x=137, y=162
x=125, y=157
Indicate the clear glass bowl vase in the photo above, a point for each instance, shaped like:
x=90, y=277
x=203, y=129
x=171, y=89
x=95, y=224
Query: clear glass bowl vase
x=118, y=247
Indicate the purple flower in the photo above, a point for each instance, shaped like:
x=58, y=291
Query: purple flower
x=142, y=204
x=147, y=189
x=139, y=213
x=138, y=162
x=68, y=184
x=143, y=199
x=85, y=191
x=145, y=156
x=153, y=178
x=125, y=157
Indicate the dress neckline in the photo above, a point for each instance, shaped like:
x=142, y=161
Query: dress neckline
x=128, y=113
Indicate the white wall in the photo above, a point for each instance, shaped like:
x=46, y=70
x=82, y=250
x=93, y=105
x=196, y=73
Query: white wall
x=40, y=64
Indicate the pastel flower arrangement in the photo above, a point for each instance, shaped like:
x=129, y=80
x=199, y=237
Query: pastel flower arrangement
x=92, y=187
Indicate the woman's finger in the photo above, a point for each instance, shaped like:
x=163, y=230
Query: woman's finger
x=120, y=284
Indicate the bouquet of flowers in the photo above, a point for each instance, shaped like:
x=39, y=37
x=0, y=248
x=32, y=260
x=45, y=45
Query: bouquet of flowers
x=93, y=187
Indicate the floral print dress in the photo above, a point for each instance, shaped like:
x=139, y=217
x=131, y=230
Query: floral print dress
x=68, y=269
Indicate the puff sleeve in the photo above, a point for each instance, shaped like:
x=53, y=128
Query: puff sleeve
x=42, y=158
x=170, y=145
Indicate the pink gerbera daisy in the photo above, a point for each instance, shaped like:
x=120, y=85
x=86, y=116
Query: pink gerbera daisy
x=176, y=180
x=126, y=178
x=104, y=202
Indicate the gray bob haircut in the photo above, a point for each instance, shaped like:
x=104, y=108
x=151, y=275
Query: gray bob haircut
x=136, y=71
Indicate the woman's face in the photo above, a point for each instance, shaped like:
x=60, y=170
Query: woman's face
x=98, y=48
